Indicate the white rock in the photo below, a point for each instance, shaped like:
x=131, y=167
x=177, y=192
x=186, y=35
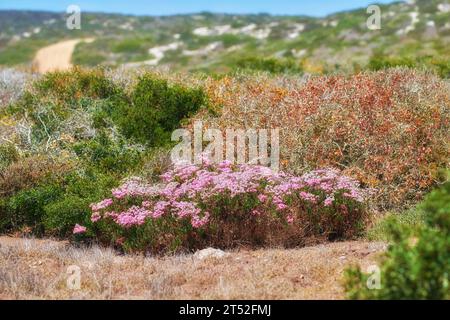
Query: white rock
x=126, y=26
x=260, y=33
x=158, y=52
x=444, y=7
x=250, y=30
x=203, y=32
x=334, y=23
x=210, y=253
x=298, y=53
x=51, y=21
x=203, y=51
x=414, y=20
x=222, y=29
x=298, y=27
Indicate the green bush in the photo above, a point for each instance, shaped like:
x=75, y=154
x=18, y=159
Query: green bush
x=440, y=66
x=26, y=208
x=380, y=62
x=271, y=65
x=69, y=86
x=413, y=218
x=133, y=45
x=89, y=183
x=61, y=216
x=52, y=209
x=81, y=189
x=417, y=264
x=156, y=110
x=8, y=155
x=21, y=52
x=107, y=155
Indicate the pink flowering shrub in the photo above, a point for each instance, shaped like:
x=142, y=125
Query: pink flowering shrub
x=227, y=205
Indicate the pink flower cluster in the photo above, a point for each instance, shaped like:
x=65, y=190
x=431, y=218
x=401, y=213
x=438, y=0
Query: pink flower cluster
x=191, y=191
x=79, y=229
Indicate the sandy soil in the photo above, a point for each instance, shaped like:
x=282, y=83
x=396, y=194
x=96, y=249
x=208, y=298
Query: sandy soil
x=31, y=269
x=57, y=56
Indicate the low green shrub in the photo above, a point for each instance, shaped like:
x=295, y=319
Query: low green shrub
x=107, y=155
x=8, y=155
x=156, y=110
x=60, y=216
x=26, y=208
x=52, y=208
x=80, y=190
x=380, y=62
x=68, y=86
x=440, y=66
x=413, y=218
x=31, y=172
x=271, y=65
x=417, y=264
x=133, y=45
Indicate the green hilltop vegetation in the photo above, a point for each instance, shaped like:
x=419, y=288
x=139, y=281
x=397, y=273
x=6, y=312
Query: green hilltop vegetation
x=414, y=33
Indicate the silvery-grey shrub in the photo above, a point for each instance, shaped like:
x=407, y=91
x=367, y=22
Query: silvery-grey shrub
x=12, y=85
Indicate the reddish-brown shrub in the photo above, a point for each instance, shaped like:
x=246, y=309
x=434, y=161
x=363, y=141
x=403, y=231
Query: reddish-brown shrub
x=389, y=129
x=28, y=172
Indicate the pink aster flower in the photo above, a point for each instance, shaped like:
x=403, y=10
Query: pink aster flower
x=290, y=219
x=95, y=217
x=328, y=201
x=79, y=229
x=281, y=206
x=256, y=212
x=262, y=197
x=198, y=222
x=101, y=205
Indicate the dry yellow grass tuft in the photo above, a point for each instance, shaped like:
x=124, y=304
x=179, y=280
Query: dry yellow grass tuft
x=37, y=269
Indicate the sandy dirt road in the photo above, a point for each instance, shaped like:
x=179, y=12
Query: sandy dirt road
x=57, y=56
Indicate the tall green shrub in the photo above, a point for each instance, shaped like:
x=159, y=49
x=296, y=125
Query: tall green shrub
x=417, y=264
x=156, y=110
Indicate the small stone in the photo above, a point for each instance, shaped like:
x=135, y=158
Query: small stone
x=210, y=253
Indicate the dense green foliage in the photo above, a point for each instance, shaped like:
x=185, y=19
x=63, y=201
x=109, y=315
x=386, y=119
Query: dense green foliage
x=156, y=109
x=271, y=65
x=417, y=264
x=8, y=154
x=440, y=66
x=53, y=208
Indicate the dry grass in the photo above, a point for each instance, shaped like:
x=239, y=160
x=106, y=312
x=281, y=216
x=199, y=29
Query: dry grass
x=37, y=269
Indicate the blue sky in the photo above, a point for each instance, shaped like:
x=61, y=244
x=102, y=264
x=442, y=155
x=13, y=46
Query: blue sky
x=167, y=7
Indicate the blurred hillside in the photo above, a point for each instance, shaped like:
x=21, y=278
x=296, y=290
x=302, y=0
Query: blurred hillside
x=411, y=31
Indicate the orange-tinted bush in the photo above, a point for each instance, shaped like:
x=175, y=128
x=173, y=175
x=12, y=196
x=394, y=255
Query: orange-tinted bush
x=28, y=172
x=389, y=129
